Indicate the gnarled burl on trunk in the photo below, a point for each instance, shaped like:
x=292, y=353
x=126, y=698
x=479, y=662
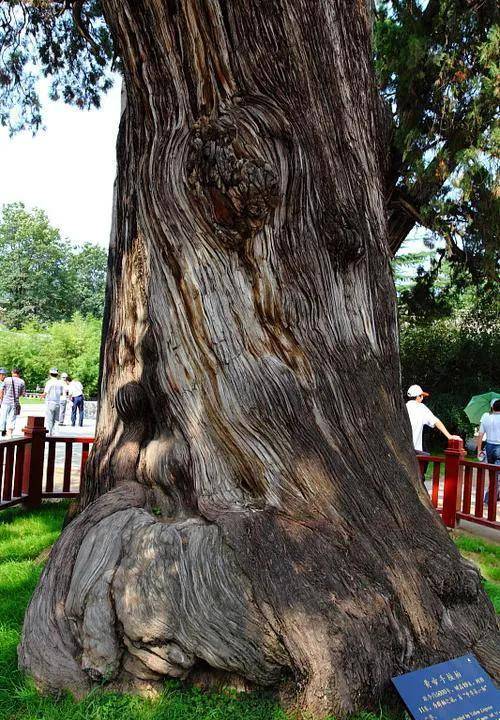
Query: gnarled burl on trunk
x=251, y=505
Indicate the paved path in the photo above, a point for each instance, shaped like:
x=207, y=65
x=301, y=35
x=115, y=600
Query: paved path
x=87, y=430
x=38, y=410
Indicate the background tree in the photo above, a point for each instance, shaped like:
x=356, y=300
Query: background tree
x=43, y=278
x=34, y=276
x=72, y=346
x=437, y=67
x=449, y=334
x=40, y=36
x=87, y=267
x=252, y=505
x=407, y=265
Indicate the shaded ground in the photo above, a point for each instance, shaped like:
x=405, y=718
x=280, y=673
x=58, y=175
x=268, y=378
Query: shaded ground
x=24, y=536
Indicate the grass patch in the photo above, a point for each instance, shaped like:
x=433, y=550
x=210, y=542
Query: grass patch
x=31, y=401
x=487, y=556
x=23, y=536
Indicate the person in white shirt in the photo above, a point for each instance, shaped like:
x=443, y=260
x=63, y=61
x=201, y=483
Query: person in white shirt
x=75, y=392
x=64, y=398
x=490, y=425
x=52, y=395
x=420, y=415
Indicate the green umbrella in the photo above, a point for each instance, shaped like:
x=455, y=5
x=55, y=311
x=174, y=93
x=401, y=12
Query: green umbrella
x=478, y=405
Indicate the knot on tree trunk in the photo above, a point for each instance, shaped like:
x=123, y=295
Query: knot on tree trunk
x=132, y=402
x=343, y=234
x=457, y=582
x=237, y=191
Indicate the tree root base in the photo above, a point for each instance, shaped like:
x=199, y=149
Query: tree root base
x=249, y=601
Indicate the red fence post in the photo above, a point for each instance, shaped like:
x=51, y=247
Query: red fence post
x=33, y=461
x=453, y=454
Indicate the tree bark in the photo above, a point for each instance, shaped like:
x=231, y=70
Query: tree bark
x=251, y=508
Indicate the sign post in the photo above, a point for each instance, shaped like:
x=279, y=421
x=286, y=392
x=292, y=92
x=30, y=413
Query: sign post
x=458, y=689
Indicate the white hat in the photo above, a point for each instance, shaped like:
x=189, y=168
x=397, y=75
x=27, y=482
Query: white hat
x=53, y=371
x=416, y=391
x=64, y=376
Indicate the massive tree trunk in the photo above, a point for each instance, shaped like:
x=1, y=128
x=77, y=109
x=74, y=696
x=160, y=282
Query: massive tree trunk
x=251, y=508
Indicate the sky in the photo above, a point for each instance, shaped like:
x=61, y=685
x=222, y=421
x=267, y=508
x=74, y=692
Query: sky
x=68, y=169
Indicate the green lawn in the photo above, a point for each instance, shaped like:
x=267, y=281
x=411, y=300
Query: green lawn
x=23, y=536
x=487, y=556
x=31, y=401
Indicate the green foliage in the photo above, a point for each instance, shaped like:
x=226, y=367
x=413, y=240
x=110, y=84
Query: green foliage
x=43, y=278
x=442, y=290
x=72, y=347
x=39, y=38
x=437, y=64
x=25, y=349
x=54, y=295
x=453, y=359
x=34, y=276
x=76, y=347
x=87, y=268
x=429, y=287
x=406, y=265
x=487, y=557
x=449, y=336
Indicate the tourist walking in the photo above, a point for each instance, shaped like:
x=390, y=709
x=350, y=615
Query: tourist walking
x=420, y=416
x=3, y=375
x=64, y=398
x=10, y=407
x=490, y=425
x=75, y=391
x=52, y=393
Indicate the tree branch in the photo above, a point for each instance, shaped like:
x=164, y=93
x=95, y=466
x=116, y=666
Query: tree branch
x=404, y=205
x=77, y=8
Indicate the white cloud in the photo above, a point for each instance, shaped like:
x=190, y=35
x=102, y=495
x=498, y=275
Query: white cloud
x=67, y=170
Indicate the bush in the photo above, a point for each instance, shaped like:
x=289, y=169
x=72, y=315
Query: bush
x=453, y=360
x=72, y=347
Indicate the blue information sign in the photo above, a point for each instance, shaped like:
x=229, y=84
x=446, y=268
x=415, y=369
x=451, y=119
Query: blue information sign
x=455, y=690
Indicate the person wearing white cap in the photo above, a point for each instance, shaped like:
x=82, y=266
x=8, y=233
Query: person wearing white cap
x=64, y=398
x=420, y=415
x=52, y=395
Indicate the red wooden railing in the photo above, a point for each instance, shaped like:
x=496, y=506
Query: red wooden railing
x=71, y=475
x=12, y=470
x=486, y=477
x=458, y=487
x=30, y=469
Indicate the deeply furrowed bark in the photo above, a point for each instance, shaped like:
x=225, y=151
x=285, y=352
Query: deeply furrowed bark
x=252, y=503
